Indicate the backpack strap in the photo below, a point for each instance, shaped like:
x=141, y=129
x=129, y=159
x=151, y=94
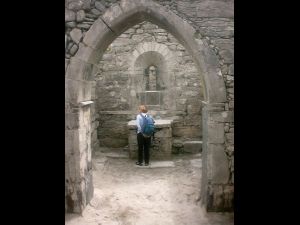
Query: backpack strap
x=144, y=123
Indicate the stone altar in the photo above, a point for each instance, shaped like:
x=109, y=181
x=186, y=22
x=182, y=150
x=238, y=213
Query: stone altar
x=161, y=144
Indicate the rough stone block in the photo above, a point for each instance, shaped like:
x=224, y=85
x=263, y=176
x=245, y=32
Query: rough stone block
x=73, y=49
x=193, y=120
x=114, y=142
x=215, y=133
x=227, y=55
x=112, y=16
x=187, y=131
x=78, y=5
x=100, y=6
x=71, y=142
x=71, y=90
x=67, y=61
x=215, y=107
x=194, y=106
x=89, y=186
x=93, y=41
x=164, y=147
x=71, y=121
x=230, y=90
x=228, y=198
x=219, y=165
x=215, y=199
x=152, y=98
x=177, y=143
x=206, y=8
x=181, y=104
x=69, y=15
x=71, y=24
x=225, y=116
x=231, y=69
x=231, y=104
x=163, y=132
x=192, y=146
x=230, y=138
x=80, y=15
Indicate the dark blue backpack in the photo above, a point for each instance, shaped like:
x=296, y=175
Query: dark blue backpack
x=148, y=126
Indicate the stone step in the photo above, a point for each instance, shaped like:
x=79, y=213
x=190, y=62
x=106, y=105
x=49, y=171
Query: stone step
x=192, y=146
x=158, y=164
x=116, y=154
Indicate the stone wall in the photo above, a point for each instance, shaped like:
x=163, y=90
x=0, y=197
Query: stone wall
x=183, y=91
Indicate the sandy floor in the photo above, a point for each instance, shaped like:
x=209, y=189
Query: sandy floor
x=166, y=193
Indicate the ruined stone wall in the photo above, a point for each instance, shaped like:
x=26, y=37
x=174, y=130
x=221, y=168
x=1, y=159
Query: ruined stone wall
x=113, y=89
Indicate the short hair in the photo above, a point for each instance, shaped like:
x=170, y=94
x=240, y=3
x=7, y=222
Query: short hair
x=143, y=108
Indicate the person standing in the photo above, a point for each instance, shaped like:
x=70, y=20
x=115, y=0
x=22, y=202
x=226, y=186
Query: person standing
x=143, y=142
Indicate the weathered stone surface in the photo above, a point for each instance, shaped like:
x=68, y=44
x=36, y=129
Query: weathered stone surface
x=100, y=6
x=215, y=199
x=192, y=146
x=219, y=164
x=194, y=106
x=163, y=133
x=74, y=49
x=96, y=12
x=230, y=78
x=231, y=69
x=230, y=90
x=230, y=138
x=69, y=15
x=76, y=35
x=71, y=24
x=80, y=15
x=79, y=70
x=226, y=128
x=225, y=116
x=228, y=197
x=206, y=8
x=84, y=26
x=227, y=55
x=190, y=131
x=71, y=146
x=177, y=143
x=113, y=142
x=78, y=5
x=215, y=133
x=71, y=121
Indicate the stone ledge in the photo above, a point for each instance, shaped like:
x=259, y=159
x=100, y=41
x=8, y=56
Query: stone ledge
x=158, y=124
x=192, y=146
x=85, y=103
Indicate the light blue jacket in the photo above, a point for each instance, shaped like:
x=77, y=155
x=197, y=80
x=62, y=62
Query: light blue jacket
x=140, y=122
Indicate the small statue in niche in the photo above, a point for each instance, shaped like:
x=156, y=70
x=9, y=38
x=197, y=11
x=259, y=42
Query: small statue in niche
x=153, y=82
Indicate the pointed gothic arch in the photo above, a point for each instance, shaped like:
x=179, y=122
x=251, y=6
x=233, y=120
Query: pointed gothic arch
x=118, y=18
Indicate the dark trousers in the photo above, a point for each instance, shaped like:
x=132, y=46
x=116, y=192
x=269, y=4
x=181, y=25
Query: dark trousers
x=143, y=148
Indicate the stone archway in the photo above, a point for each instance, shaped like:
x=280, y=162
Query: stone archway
x=118, y=18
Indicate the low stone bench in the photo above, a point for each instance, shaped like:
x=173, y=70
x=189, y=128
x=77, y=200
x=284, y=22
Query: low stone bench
x=192, y=146
x=161, y=146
